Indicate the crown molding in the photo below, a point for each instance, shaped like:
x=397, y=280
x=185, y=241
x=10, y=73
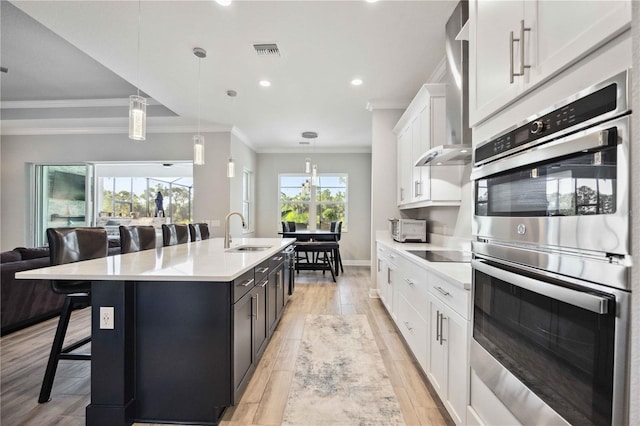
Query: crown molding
x=71, y=103
x=105, y=130
x=386, y=104
x=439, y=73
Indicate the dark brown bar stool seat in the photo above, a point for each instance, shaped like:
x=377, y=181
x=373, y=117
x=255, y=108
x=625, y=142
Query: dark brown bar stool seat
x=67, y=245
x=198, y=231
x=137, y=238
x=173, y=234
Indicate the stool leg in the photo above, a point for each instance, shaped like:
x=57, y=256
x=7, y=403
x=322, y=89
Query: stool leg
x=56, y=349
x=328, y=260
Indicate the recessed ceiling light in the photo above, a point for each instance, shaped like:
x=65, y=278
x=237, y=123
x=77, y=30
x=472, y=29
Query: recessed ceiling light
x=356, y=81
x=223, y=2
x=371, y=1
x=265, y=83
x=463, y=151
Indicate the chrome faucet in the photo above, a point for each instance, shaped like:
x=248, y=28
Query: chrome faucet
x=227, y=235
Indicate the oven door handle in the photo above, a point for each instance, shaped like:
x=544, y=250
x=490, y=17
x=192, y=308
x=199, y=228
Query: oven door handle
x=605, y=134
x=590, y=302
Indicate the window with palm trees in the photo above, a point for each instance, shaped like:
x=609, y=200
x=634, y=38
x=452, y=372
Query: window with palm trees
x=313, y=207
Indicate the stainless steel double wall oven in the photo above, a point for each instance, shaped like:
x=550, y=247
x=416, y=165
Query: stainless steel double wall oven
x=551, y=245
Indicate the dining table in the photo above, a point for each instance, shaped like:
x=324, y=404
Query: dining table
x=312, y=235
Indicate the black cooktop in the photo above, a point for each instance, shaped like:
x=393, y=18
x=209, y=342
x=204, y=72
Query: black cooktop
x=442, y=255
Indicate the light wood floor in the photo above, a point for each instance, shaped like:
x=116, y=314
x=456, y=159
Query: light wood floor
x=23, y=356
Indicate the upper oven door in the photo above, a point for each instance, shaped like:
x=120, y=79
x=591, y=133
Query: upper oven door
x=571, y=193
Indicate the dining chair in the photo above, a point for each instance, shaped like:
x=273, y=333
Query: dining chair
x=68, y=245
x=198, y=231
x=173, y=234
x=137, y=238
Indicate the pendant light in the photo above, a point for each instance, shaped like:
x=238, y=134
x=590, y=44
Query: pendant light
x=231, y=165
x=198, y=140
x=308, y=167
x=138, y=104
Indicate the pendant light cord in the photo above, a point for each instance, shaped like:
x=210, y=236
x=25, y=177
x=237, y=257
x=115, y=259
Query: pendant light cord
x=139, y=23
x=199, y=96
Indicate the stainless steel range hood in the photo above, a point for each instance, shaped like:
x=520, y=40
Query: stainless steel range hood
x=446, y=155
x=457, y=148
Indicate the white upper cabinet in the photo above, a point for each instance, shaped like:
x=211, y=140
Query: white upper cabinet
x=421, y=127
x=514, y=46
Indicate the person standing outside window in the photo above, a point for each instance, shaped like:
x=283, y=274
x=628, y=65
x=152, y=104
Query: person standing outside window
x=159, y=207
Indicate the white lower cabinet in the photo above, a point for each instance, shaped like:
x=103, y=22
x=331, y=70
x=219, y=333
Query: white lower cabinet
x=432, y=314
x=448, y=368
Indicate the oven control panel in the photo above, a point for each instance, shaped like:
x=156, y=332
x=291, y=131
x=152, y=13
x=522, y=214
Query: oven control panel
x=578, y=111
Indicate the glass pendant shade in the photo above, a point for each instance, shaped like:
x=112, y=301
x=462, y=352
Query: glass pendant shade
x=231, y=168
x=314, y=175
x=307, y=165
x=137, y=118
x=198, y=150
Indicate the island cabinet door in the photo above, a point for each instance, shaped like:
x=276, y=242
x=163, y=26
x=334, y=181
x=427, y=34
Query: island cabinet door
x=261, y=326
x=281, y=291
x=243, y=319
x=272, y=312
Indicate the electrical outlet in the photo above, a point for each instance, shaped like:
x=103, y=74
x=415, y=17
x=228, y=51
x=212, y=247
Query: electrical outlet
x=106, y=317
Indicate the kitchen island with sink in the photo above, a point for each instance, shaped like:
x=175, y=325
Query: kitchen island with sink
x=189, y=324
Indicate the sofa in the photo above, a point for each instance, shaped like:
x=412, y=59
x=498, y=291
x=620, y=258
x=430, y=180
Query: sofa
x=27, y=302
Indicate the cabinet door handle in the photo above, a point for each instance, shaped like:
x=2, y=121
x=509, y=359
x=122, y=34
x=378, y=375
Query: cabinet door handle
x=512, y=40
x=248, y=283
x=406, y=324
x=262, y=270
x=411, y=283
x=263, y=283
x=417, y=188
x=443, y=291
x=437, y=326
x=401, y=194
x=442, y=339
x=257, y=306
x=379, y=265
x=388, y=275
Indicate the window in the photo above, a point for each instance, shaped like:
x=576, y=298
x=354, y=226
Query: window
x=324, y=203
x=247, y=188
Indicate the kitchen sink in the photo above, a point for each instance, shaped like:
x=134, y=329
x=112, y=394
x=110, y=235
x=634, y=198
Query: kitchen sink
x=248, y=248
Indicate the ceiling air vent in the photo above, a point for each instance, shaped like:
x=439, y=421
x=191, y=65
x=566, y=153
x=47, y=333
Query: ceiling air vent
x=266, y=49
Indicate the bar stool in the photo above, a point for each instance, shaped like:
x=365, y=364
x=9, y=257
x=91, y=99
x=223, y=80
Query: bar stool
x=173, y=234
x=67, y=245
x=198, y=231
x=136, y=238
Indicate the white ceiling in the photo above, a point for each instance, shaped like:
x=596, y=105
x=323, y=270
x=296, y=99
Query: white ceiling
x=85, y=60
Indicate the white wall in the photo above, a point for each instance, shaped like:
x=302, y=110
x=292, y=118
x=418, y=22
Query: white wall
x=383, y=176
x=355, y=245
x=17, y=153
x=244, y=159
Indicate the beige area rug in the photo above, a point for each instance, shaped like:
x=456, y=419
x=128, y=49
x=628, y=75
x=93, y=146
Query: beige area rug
x=340, y=378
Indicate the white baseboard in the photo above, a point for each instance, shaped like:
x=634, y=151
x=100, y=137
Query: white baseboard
x=356, y=262
x=373, y=293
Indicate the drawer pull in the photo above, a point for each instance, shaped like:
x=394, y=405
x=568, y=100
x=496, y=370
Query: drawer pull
x=411, y=283
x=443, y=291
x=278, y=258
x=247, y=283
x=263, y=283
x=406, y=324
x=262, y=270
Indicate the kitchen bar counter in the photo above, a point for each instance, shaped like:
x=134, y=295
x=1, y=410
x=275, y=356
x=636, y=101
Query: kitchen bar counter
x=205, y=260
x=457, y=271
x=189, y=324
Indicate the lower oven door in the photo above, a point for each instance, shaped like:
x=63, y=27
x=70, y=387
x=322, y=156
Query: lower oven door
x=553, y=352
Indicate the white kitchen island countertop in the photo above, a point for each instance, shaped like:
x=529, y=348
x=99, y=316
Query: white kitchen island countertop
x=205, y=260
